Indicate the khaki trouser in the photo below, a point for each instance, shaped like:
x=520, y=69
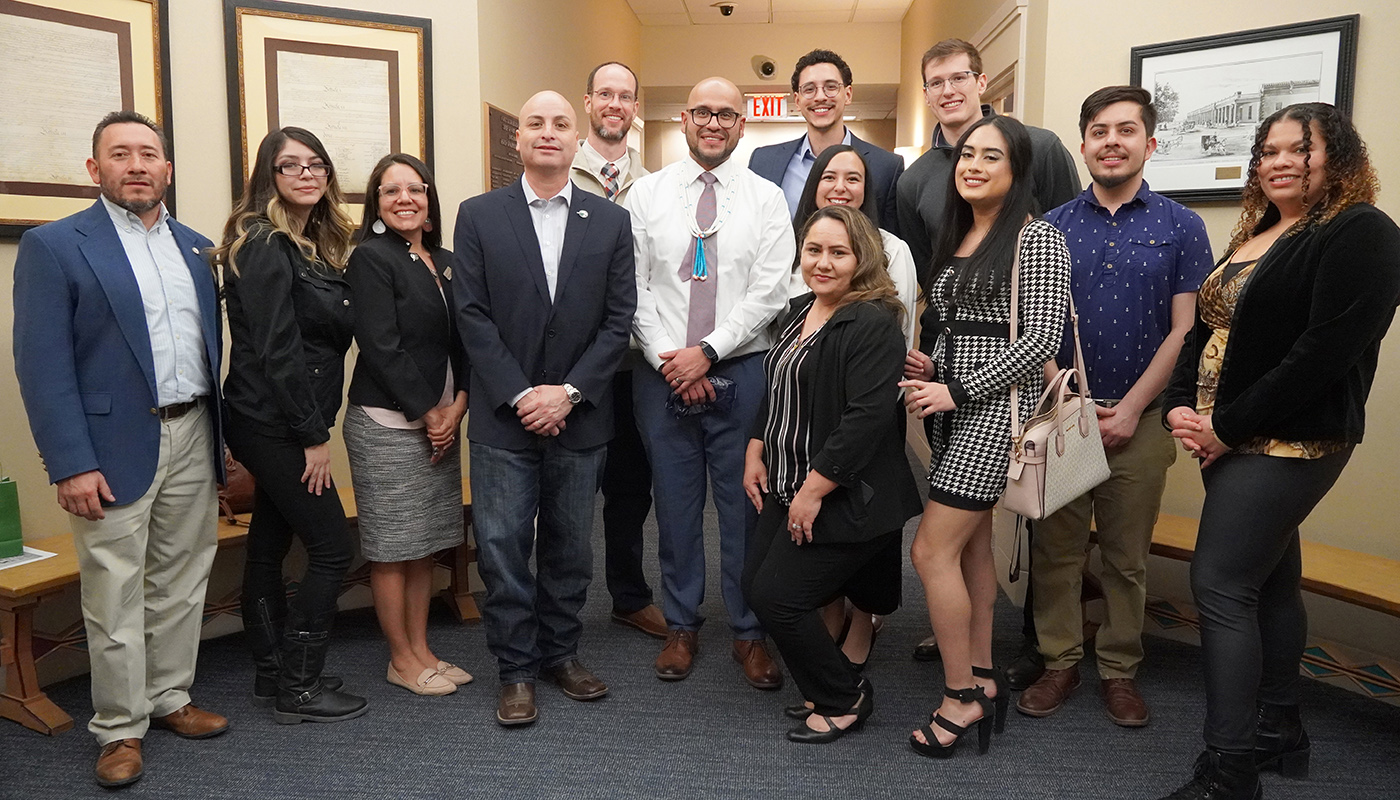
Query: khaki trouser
x=144, y=570
x=1124, y=509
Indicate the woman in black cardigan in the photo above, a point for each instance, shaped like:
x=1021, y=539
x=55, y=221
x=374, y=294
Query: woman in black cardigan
x=826, y=468
x=1270, y=393
x=407, y=398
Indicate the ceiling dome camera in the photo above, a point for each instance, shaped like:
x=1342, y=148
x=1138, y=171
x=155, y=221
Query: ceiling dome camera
x=764, y=67
x=725, y=9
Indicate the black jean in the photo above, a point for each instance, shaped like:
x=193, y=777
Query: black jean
x=1246, y=579
x=282, y=508
x=787, y=585
x=626, y=502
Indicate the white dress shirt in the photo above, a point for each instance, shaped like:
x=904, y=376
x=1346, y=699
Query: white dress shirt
x=171, y=305
x=551, y=217
x=754, y=247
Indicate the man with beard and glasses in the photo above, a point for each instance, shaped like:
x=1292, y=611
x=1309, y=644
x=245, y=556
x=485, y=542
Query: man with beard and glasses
x=1138, y=259
x=714, y=245
x=606, y=166
x=117, y=344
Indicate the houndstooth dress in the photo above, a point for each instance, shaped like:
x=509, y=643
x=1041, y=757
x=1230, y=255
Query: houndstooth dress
x=971, y=444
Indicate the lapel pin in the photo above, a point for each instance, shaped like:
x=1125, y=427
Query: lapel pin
x=583, y=213
x=194, y=250
x=413, y=256
x=447, y=273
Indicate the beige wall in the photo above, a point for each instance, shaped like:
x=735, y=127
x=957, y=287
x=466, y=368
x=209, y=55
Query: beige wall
x=666, y=142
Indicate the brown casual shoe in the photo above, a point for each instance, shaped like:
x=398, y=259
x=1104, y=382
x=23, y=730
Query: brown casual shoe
x=648, y=620
x=1122, y=703
x=516, y=705
x=119, y=763
x=576, y=681
x=192, y=722
x=673, y=664
x=759, y=669
x=1047, y=695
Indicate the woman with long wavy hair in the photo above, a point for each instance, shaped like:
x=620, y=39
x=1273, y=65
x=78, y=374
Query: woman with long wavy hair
x=1269, y=393
x=290, y=322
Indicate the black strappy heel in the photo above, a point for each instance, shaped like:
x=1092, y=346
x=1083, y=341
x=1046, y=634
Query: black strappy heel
x=1002, y=700
x=930, y=747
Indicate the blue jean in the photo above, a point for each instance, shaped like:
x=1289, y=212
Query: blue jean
x=532, y=620
x=683, y=452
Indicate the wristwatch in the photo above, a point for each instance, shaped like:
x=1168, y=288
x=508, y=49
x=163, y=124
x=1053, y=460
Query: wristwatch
x=709, y=352
x=575, y=396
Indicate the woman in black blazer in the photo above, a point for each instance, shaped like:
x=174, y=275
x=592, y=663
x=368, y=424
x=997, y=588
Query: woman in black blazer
x=407, y=399
x=1270, y=393
x=826, y=468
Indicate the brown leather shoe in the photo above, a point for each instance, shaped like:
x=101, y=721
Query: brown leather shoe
x=648, y=620
x=576, y=681
x=677, y=655
x=759, y=669
x=119, y=763
x=516, y=705
x=192, y=722
x=1047, y=695
x=1122, y=703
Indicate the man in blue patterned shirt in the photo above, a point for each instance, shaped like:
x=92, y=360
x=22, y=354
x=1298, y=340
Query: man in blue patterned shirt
x=1138, y=260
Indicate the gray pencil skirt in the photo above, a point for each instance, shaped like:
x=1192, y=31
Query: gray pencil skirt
x=408, y=507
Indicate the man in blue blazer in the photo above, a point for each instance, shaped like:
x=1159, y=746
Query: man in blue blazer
x=544, y=308
x=117, y=341
x=821, y=87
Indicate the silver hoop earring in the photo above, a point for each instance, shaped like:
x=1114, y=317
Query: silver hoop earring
x=378, y=226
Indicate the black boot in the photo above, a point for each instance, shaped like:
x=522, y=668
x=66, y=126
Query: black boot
x=1027, y=668
x=1222, y=776
x=262, y=624
x=1280, y=742
x=301, y=694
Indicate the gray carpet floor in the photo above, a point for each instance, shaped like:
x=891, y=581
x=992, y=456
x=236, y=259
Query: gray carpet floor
x=708, y=736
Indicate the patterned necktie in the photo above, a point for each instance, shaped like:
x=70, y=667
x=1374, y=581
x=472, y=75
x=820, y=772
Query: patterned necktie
x=701, y=320
x=610, y=180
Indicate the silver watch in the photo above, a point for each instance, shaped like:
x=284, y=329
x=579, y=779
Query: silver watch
x=575, y=396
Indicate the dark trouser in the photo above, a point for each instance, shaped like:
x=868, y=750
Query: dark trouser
x=626, y=502
x=282, y=509
x=1246, y=581
x=787, y=585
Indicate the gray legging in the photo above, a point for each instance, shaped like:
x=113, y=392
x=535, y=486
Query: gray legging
x=1246, y=580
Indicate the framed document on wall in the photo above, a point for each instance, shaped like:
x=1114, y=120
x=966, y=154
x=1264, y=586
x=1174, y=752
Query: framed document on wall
x=503, y=165
x=361, y=82
x=64, y=65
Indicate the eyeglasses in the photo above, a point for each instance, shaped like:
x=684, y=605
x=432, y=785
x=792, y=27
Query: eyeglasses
x=829, y=89
x=625, y=98
x=389, y=190
x=957, y=80
x=295, y=170
x=701, y=116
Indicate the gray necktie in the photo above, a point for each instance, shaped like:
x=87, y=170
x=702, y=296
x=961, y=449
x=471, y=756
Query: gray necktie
x=701, y=321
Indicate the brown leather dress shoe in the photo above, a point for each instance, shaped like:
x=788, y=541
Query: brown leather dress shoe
x=192, y=722
x=759, y=669
x=119, y=763
x=1048, y=695
x=648, y=620
x=1122, y=703
x=576, y=681
x=677, y=655
x=516, y=705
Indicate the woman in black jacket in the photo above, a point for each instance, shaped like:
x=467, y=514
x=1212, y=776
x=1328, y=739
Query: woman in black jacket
x=826, y=468
x=1270, y=393
x=290, y=322
x=406, y=403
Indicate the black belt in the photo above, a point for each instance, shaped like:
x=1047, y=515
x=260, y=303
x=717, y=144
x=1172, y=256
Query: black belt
x=176, y=410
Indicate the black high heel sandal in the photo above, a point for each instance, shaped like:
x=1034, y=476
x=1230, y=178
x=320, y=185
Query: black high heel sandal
x=874, y=636
x=863, y=708
x=802, y=711
x=930, y=747
x=1002, y=700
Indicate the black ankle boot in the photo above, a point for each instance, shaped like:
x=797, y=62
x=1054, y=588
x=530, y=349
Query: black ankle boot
x=301, y=694
x=1280, y=741
x=1222, y=776
x=1027, y=668
x=262, y=625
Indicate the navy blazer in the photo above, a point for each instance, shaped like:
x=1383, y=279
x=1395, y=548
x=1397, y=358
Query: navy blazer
x=83, y=351
x=885, y=168
x=517, y=337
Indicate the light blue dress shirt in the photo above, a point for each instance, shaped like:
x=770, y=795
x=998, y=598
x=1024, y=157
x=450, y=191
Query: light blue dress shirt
x=798, y=168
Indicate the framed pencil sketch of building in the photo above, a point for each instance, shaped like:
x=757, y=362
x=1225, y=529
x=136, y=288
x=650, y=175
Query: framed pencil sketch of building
x=1212, y=92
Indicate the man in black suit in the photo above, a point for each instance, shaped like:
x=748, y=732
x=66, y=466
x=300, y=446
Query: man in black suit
x=821, y=87
x=547, y=297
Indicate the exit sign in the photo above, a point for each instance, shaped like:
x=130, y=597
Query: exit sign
x=767, y=106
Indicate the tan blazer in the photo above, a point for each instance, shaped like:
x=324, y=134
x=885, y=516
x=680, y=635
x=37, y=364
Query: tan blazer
x=587, y=165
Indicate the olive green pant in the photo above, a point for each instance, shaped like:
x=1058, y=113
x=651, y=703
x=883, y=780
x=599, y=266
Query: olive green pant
x=1124, y=510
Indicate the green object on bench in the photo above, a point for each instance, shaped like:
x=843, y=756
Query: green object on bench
x=11, y=540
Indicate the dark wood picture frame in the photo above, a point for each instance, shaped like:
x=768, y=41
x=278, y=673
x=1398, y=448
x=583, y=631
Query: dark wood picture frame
x=13, y=225
x=1211, y=144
